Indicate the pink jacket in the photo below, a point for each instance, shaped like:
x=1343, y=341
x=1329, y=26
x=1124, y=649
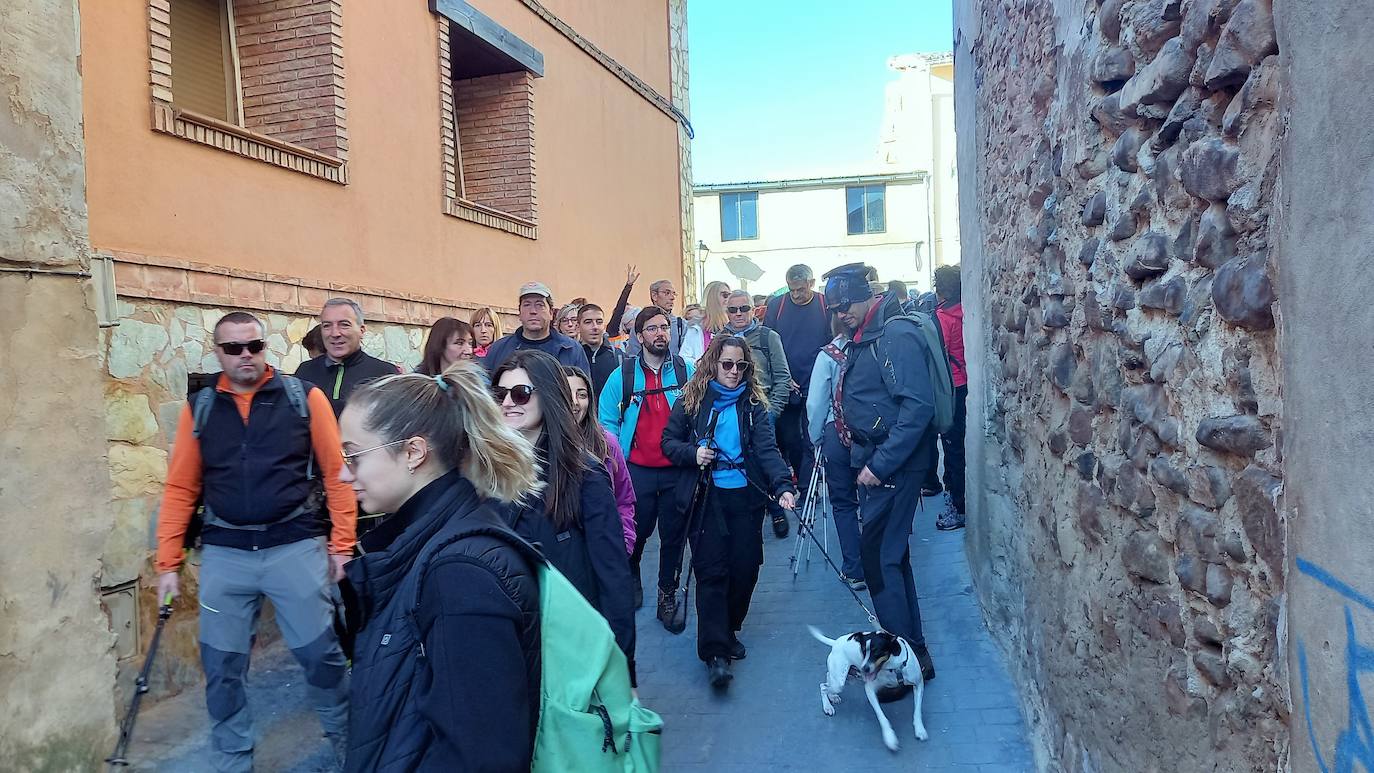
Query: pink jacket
x=952, y=326
x=624, y=489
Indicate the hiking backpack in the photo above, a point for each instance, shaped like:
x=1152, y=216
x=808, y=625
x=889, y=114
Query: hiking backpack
x=630, y=366
x=589, y=719
x=937, y=364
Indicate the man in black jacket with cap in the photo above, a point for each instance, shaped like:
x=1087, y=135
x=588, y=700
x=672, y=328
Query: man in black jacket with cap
x=887, y=404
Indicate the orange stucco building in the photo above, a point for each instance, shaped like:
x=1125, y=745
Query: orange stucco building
x=423, y=158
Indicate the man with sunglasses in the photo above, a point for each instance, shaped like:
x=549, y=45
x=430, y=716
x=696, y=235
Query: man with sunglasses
x=770, y=362
x=255, y=463
x=886, y=405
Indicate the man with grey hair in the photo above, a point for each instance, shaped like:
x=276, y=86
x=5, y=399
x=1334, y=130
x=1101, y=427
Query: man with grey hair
x=803, y=323
x=663, y=295
x=344, y=365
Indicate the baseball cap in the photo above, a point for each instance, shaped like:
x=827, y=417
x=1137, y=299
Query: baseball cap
x=847, y=284
x=535, y=288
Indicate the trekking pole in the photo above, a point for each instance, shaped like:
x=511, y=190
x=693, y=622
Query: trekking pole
x=808, y=511
x=698, y=502
x=126, y=728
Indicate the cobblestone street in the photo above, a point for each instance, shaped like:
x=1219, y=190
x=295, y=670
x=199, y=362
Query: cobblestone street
x=770, y=719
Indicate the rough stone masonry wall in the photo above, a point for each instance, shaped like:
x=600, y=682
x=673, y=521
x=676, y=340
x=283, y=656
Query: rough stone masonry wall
x=1124, y=533
x=56, y=658
x=147, y=358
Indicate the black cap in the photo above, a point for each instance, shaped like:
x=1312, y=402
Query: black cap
x=847, y=284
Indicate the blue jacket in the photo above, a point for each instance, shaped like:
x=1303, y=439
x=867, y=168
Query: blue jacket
x=608, y=404
x=563, y=349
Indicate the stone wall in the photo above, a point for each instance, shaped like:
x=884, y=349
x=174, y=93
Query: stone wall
x=147, y=359
x=56, y=658
x=1119, y=164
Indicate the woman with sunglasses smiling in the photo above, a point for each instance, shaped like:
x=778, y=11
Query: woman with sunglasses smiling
x=444, y=598
x=574, y=519
x=720, y=434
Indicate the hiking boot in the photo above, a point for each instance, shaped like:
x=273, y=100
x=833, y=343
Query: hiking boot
x=949, y=518
x=672, y=612
x=890, y=693
x=929, y=492
x=927, y=665
x=338, y=743
x=856, y=585
x=780, y=527
x=737, y=649
x=718, y=672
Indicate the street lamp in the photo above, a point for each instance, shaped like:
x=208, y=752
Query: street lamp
x=702, y=252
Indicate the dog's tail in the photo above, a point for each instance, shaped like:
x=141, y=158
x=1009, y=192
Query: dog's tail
x=820, y=637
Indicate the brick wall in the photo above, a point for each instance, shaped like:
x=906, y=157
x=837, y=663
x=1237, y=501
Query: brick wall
x=496, y=141
x=291, y=67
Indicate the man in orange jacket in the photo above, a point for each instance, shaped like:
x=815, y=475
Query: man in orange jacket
x=253, y=452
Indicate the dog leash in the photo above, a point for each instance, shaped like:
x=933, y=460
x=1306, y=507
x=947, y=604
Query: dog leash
x=811, y=532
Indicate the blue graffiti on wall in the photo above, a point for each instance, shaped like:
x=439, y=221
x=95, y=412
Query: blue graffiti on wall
x=1355, y=744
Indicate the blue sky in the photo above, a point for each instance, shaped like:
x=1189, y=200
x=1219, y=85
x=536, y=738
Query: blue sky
x=791, y=88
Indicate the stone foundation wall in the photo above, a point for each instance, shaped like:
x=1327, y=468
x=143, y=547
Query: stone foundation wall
x=1126, y=385
x=147, y=359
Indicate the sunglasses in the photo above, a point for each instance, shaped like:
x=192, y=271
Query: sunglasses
x=234, y=348
x=841, y=308
x=738, y=309
x=520, y=394
x=729, y=365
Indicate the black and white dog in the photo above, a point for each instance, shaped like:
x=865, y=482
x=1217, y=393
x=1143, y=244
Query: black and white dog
x=877, y=657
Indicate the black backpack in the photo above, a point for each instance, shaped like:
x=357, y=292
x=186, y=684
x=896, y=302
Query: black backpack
x=630, y=366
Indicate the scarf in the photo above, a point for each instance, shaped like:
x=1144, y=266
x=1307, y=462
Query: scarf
x=728, y=443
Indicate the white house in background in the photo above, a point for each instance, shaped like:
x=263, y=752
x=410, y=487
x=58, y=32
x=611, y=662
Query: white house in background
x=899, y=214
x=918, y=133
x=880, y=219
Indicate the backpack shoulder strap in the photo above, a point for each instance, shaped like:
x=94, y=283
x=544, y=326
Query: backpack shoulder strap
x=833, y=352
x=200, y=410
x=679, y=371
x=629, y=367
x=295, y=392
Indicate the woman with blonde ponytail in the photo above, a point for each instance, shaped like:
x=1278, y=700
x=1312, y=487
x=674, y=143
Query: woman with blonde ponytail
x=444, y=598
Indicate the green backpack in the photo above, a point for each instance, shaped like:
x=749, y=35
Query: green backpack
x=589, y=721
x=937, y=363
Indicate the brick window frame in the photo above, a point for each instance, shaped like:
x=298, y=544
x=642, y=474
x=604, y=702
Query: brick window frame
x=291, y=80
x=487, y=144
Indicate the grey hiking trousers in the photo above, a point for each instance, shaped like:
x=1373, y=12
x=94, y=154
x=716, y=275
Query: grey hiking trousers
x=233, y=583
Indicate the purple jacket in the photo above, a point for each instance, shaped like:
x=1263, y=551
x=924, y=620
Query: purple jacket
x=624, y=489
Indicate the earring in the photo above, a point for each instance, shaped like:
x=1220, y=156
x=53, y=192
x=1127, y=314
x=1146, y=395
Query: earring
x=412, y=470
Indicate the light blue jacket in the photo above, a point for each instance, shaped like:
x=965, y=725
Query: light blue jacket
x=820, y=406
x=608, y=404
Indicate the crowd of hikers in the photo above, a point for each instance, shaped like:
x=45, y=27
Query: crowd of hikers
x=454, y=554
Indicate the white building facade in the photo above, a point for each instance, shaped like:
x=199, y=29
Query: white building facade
x=880, y=219
x=918, y=133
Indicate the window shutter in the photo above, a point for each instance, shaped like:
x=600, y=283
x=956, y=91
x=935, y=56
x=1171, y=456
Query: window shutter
x=200, y=72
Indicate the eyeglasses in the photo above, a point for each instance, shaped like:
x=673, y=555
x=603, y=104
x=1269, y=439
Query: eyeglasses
x=730, y=365
x=351, y=460
x=738, y=309
x=652, y=329
x=520, y=394
x=235, y=348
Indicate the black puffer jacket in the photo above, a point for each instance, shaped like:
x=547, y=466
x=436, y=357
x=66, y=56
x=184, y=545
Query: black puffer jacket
x=763, y=464
x=592, y=554
x=887, y=397
x=445, y=605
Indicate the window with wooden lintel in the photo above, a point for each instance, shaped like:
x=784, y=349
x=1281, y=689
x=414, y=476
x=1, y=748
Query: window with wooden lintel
x=259, y=78
x=487, y=98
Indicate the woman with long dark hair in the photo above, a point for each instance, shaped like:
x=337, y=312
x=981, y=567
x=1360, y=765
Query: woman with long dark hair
x=486, y=329
x=574, y=519
x=450, y=340
x=445, y=607
x=721, y=435
x=605, y=447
